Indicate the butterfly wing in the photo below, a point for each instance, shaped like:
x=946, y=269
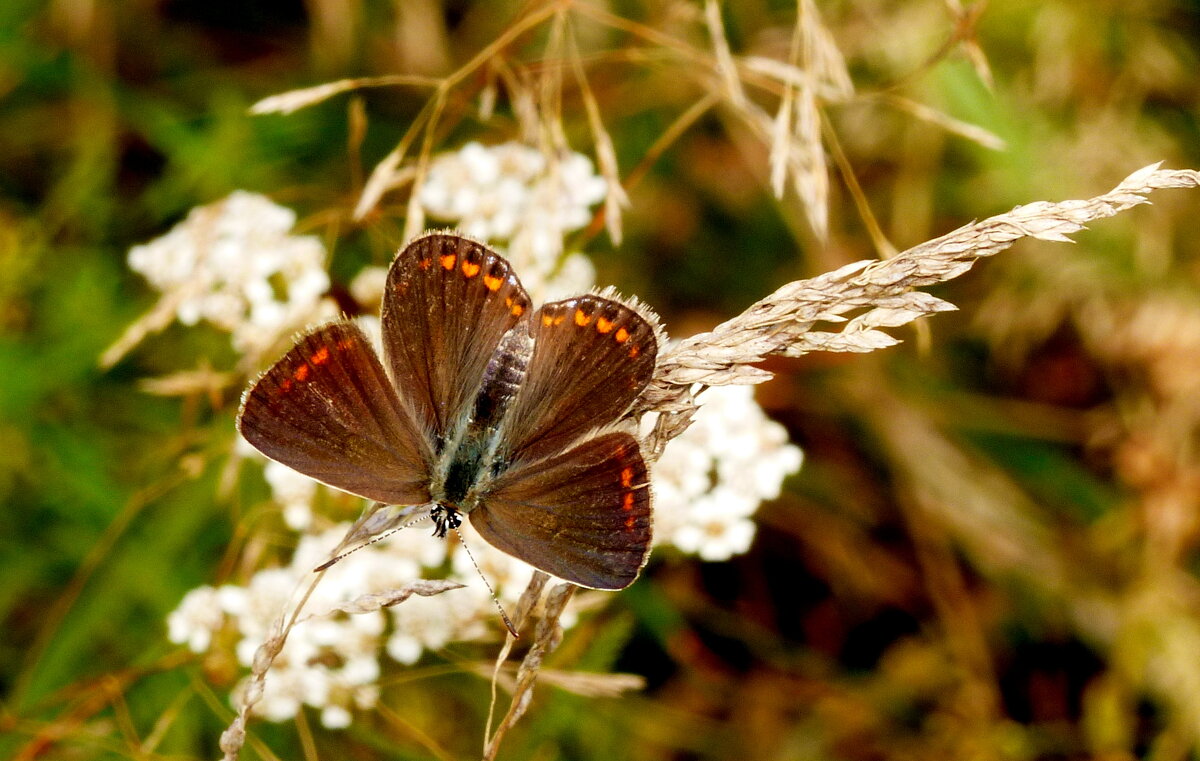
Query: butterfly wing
x=328, y=410
x=583, y=516
x=448, y=303
x=592, y=356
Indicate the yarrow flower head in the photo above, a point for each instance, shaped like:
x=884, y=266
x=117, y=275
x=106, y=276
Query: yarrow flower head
x=236, y=265
x=514, y=194
x=711, y=479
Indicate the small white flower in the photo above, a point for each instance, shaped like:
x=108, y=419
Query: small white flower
x=711, y=479
x=367, y=286
x=293, y=491
x=716, y=528
x=196, y=619
x=335, y=717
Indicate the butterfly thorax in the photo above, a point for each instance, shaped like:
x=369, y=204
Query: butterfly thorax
x=471, y=457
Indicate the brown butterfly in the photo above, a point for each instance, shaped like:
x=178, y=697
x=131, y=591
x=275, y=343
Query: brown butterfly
x=481, y=407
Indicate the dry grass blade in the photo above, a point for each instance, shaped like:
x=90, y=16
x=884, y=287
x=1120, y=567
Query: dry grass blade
x=606, y=156
x=521, y=100
x=157, y=319
x=550, y=83
x=725, y=63
x=782, y=127
x=822, y=56
x=386, y=173
x=763, y=70
x=950, y=124
x=582, y=683
x=780, y=142
x=529, y=598
x=294, y=100
x=590, y=685
x=203, y=380
x=369, y=603
x=811, y=176
x=879, y=291
x=796, y=145
x=546, y=639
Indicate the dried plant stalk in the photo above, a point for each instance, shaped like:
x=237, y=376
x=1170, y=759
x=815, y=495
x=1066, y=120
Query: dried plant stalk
x=583, y=683
x=293, y=100
x=547, y=636
x=878, y=293
x=369, y=603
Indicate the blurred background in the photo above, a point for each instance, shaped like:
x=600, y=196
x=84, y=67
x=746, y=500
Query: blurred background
x=991, y=549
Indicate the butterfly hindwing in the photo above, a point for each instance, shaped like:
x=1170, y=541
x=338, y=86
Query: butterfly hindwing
x=592, y=356
x=328, y=410
x=448, y=303
x=582, y=515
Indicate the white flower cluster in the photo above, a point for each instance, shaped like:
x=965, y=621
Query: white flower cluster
x=332, y=663
x=514, y=194
x=711, y=479
x=235, y=264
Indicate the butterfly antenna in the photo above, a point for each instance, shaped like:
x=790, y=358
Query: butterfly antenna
x=373, y=540
x=507, y=621
x=353, y=550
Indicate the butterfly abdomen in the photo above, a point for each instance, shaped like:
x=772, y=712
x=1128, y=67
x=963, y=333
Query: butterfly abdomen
x=503, y=377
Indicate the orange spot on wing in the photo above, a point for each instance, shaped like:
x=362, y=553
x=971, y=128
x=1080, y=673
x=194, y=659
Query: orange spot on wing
x=558, y=319
x=622, y=335
x=627, y=477
x=515, y=308
x=447, y=261
x=634, y=351
x=581, y=319
x=301, y=373
x=425, y=263
x=630, y=522
x=345, y=344
x=627, y=504
x=547, y=320
x=321, y=356
x=286, y=385
x=603, y=325
x=469, y=269
x=492, y=282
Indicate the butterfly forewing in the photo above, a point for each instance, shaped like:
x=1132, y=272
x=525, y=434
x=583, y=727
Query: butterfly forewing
x=583, y=516
x=328, y=410
x=448, y=302
x=592, y=357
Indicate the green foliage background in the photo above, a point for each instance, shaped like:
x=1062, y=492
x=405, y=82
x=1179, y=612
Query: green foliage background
x=883, y=611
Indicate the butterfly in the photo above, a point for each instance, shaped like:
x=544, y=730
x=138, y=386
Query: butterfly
x=480, y=408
